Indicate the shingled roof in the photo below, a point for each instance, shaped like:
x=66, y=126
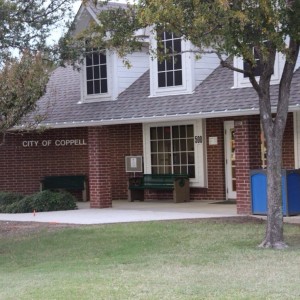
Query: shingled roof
x=214, y=97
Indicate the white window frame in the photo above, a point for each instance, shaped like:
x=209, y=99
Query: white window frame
x=240, y=81
x=188, y=76
x=110, y=65
x=200, y=150
x=296, y=118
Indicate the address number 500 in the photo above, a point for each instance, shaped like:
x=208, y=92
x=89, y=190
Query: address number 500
x=198, y=139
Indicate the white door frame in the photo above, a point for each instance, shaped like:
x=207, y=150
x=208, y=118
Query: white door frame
x=229, y=160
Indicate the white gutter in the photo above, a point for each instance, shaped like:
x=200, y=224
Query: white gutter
x=158, y=118
x=152, y=119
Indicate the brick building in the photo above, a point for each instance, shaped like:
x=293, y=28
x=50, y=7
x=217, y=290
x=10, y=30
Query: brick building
x=202, y=120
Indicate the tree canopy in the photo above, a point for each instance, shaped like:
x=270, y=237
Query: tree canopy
x=25, y=56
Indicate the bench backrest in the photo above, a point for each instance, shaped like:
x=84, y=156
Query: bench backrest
x=64, y=182
x=161, y=179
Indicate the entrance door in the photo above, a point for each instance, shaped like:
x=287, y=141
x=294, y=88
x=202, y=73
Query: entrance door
x=230, y=160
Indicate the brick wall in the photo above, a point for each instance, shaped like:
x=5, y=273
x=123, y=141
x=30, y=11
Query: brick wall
x=126, y=140
x=22, y=168
x=103, y=159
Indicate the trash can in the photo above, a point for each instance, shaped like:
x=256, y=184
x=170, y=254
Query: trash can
x=290, y=184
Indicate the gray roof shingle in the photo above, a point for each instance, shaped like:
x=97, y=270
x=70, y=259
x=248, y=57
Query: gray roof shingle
x=212, y=98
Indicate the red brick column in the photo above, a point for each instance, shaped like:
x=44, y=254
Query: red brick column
x=99, y=167
x=242, y=160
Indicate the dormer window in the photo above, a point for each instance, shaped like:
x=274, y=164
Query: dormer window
x=170, y=69
x=257, y=69
x=97, y=82
x=174, y=73
x=242, y=80
x=96, y=72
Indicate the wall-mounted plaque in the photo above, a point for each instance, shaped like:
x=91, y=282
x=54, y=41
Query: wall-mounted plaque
x=213, y=140
x=134, y=163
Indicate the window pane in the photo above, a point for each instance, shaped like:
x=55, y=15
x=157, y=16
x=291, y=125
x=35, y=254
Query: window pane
x=153, y=146
x=170, y=64
x=190, y=131
x=168, y=159
x=176, y=159
x=167, y=146
x=177, y=62
x=182, y=131
x=191, y=158
x=154, y=160
x=176, y=146
x=104, y=86
x=190, y=144
x=167, y=132
x=97, y=86
x=170, y=81
x=184, y=169
x=161, y=66
x=89, y=73
x=177, y=169
x=161, y=170
x=161, y=80
x=175, y=132
x=88, y=60
x=183, y=158
x=102, y=58
x=160, y=146
x=168, y=36
x=103, y=71
x=160, y=133
x=161, y=159
x=90, y=87
x=153, y=135
x=183, y=145
x=96, y=60
x=178, y=77
x=177, y=45
x=168, y=170
x=191, y=171
x=96, y=72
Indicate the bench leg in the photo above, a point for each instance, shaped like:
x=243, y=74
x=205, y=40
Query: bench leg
x=84, y=196
x=135, y=195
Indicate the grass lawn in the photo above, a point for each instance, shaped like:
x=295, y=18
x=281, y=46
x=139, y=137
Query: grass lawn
x=154, y=260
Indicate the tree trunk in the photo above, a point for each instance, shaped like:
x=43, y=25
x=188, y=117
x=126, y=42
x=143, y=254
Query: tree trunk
x=274, y=130
x=274, y=230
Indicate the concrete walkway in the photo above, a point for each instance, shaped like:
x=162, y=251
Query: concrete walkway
x=123, y=211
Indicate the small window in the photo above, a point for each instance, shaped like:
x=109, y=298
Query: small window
x=96, y=72
x=170, y=69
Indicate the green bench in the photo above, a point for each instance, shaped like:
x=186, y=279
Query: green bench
x=178, y=183
x=65, y=182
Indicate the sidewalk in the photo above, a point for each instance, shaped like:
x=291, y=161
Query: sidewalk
x=123, y=211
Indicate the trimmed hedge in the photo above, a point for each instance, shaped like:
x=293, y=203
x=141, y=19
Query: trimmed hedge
x=42, y=201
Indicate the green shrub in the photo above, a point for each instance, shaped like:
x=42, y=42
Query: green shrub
x=43, y=201
x=7, y=198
